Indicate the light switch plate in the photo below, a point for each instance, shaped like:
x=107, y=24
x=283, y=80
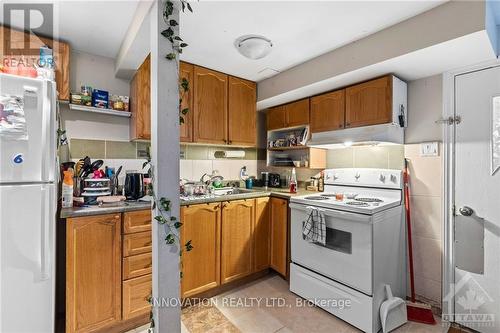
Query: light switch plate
x=429, y=149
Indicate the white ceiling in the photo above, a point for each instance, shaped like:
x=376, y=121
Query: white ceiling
x=299, y=30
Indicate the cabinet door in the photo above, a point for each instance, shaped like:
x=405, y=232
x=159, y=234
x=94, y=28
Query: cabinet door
x=297, y=113
x=136, y=293
x=186, y=129
x=262, y=234
x=93, y=272
x=140, y=102
x=201, y=265
x=16, y=41
x=242, y=112
x=276, y=118
x=328, y=111
x=210, y=106
x=279, y=222
x=236, y=242
x=369, y=103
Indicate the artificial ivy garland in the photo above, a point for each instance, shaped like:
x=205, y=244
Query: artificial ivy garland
x=165, y=218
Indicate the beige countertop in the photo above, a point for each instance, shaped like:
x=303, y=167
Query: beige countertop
x=257, y=192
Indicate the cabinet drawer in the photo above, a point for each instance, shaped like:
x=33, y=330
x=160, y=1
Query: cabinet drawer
x=138, y=265
x=137, y=221
x=136, y=243
x=136, y=293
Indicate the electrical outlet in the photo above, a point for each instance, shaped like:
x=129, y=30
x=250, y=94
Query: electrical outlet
x=429, y=149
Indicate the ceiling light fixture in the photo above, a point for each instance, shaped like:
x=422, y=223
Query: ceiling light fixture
x=253, y=46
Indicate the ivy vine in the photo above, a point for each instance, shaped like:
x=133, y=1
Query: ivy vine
x=165, y=217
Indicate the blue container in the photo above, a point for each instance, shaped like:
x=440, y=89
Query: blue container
x=100, y=99
x=249, y=183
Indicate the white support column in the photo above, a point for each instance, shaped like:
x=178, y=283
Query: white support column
x=165, y=158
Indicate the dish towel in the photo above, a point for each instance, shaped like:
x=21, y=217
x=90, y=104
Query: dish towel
x=314, y=228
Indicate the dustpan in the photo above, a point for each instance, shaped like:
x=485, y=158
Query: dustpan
x=392, y=311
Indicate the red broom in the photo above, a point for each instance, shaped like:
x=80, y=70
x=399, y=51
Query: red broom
x=418, y=312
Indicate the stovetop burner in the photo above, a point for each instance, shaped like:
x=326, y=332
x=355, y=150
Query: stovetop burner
x=357, y=203
x=369, y=199
x=328, y=195
x=317, y=198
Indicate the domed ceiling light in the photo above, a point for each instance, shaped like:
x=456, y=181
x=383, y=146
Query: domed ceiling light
x=253, y=46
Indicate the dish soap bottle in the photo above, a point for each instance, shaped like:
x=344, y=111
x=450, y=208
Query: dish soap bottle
x=321, y=182
x=67, y=189
x=293, y=182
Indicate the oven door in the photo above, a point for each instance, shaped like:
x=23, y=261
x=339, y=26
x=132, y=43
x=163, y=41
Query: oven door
x=347, y=255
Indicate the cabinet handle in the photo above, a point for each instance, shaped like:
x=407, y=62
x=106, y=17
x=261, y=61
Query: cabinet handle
x=117, y=217
x=230, y=142
x=347, y=124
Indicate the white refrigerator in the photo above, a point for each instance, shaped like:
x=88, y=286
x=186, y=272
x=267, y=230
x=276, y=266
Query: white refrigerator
x=28, y=204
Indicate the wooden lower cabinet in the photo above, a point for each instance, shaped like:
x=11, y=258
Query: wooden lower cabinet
x=262, y=234
x=236, y=241
x=201, y=265
x=108, y=274
x=93, y=272
x=136, y=293
x=279, y=238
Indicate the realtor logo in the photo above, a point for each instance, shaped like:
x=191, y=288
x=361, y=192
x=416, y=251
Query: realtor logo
x=471, y=304
x=34, y=18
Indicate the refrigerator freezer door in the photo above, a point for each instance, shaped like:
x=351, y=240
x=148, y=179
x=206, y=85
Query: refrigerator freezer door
x=27, y=256
x=31, y=159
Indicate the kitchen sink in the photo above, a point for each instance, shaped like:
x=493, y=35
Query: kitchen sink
x=231, y=191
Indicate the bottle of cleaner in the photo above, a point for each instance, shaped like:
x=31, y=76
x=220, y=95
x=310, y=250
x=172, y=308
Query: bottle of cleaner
x=67, y=189
x=293, y=182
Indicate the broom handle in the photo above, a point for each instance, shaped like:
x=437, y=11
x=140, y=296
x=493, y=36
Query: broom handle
x=408, y=223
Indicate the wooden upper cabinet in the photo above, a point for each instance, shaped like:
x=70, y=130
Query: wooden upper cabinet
x=297, y=113
x=276, y=118
x=16, y=41
x=93, y=272
x=279, y=227
x=201, y=265
x=140, y=102
x=262, y=234
x=242, y=116
x=328, y=111
x=186, y=129
x=288, y=115
x=369, y=103
x=236, y=242
x=210, y=106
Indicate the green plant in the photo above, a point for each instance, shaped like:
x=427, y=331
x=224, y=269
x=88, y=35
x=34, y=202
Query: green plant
x=178, y=46
x=165, y=217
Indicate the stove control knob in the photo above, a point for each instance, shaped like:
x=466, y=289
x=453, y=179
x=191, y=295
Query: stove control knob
x=382, y=178
x=393, y=178
x=336, y=176
x=357, y=176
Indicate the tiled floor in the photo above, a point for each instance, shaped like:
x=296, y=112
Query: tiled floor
x=221, y=316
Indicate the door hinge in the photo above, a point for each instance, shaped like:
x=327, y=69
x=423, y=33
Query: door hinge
x=450, y=120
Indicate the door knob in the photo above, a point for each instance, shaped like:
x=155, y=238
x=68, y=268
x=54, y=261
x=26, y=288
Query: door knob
x=466, y=211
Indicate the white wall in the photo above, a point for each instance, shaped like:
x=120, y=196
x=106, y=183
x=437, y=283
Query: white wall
x=98, y=72
x=425, y=105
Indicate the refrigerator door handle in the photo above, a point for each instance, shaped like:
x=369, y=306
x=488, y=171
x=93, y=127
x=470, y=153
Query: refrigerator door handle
x=45, y=235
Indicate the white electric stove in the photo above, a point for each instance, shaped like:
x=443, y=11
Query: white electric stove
x=365, y=245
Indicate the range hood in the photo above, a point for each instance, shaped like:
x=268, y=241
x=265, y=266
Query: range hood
x=359, y=136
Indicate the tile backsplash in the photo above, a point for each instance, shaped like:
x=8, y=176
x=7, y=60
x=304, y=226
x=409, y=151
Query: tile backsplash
x=382, y=157
x=105, y=149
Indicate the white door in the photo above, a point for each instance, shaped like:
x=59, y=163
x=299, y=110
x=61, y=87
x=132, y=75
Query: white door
x=27, y=152
x=477, y=200
x=27, y=254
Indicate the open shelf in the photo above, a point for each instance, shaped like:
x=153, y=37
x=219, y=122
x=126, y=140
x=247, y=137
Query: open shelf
x=288, y=148
x=110, y=112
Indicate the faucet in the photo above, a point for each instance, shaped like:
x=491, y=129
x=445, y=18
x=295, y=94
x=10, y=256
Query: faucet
x=213, y=177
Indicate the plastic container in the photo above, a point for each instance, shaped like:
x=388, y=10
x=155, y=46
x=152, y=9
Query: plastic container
x=67, y=189
x=293, y=182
